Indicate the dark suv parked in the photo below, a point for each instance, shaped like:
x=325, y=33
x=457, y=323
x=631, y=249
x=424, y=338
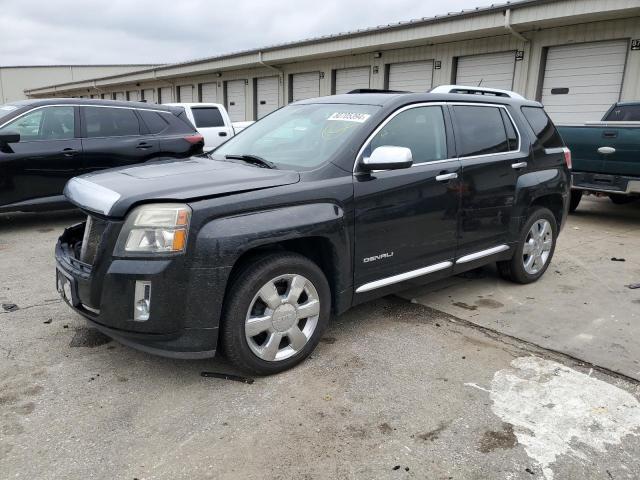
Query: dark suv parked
x=323, y=204
x=44, y=143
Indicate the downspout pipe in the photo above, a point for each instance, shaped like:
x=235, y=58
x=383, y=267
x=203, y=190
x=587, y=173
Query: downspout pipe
x=507, y=25
x=275, y=69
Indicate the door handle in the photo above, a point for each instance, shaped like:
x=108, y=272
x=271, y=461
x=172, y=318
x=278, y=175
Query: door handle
x=143, y=146
x=222, y=134
x=606, y=150
x=446, y=176
x=519, y=165
x=69, y=152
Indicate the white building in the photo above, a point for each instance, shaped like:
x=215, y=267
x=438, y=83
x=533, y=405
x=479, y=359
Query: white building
x=576, y=56
x=15, y=80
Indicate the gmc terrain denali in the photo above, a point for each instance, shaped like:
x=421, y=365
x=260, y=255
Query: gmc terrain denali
x=323, y=204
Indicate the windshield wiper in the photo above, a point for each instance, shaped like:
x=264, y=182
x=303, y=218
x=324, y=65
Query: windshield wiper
x=253, y=159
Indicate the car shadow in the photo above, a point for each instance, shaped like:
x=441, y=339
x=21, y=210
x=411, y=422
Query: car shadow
x=49, y=220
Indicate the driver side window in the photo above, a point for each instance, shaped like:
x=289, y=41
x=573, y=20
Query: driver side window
x=49, y=123
x=421, y=129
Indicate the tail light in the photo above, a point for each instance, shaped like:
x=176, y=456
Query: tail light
x=567, y=157
x=195, y=138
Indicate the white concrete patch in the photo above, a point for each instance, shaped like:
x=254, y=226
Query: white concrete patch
x=556, y=410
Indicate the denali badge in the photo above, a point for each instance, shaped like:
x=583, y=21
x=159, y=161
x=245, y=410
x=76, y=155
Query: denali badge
x=377, y=257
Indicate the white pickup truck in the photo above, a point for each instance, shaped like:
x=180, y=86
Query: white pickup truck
x=212, y=121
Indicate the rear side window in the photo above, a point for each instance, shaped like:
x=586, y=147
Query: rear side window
x=207, y=117
x=624, y=113
x=110, y=122
x=481, y=130
x=153, y=120
x=421, y=129
x=543, y=127
x=179, y=123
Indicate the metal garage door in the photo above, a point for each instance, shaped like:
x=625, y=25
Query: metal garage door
x=267, y=95
x=119, y=96
x=166, y=94
x=148, y=95
x=582, y=81
x=305, y=85
x=348, y=79
x=185, y=93
x=411, y=76
x=236, y=100
x=209, y=92
x=134, y=95
x=487, y=70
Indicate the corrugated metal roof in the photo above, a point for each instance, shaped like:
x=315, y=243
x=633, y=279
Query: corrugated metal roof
x=364, y=31
x=335, y=36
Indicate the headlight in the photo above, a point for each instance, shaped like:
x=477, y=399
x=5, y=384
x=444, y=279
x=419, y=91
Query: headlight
x=158, y=228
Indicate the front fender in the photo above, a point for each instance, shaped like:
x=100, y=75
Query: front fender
x=222, y=241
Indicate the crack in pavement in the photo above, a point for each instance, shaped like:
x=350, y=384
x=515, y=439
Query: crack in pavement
x=51, y=302
x=516, y=342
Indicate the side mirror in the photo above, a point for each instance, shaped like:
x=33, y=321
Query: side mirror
x=9, y=137
x=388, y=158
x=6, y=139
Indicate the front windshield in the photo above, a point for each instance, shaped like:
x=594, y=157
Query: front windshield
x=299, y=137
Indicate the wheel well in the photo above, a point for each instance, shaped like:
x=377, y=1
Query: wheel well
x=552, y=202
x=317, y=249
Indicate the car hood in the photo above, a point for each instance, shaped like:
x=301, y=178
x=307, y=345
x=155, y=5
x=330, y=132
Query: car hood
x=113, y=192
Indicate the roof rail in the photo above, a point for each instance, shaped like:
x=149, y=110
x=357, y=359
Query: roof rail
x=496, y=92
x=374, y=90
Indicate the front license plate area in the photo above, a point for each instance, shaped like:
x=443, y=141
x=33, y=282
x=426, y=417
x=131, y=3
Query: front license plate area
x=67, y=288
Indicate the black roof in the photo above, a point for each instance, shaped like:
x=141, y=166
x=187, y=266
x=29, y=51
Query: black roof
x=92, y=101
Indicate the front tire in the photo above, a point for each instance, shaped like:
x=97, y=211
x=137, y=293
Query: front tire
x=535, y=248
x=277, y=310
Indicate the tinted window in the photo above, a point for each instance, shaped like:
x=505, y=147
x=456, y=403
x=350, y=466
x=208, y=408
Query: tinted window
x=420, y=129
x=110, y=122
x=480, y=131
x=543, y=127
x=50, y=123
x=153, y=120
x=512, y=136
x=624, y=113
x=207, y=117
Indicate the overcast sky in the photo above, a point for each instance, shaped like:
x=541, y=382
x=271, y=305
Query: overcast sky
x=161, y=31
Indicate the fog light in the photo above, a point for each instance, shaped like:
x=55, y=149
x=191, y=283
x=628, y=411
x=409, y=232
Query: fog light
x=142, y=301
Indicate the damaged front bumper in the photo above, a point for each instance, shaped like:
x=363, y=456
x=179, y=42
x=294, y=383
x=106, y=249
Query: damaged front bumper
x=181, y=321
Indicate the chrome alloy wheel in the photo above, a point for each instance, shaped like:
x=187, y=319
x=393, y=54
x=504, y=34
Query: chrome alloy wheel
x=537, y=246
x=282, y=317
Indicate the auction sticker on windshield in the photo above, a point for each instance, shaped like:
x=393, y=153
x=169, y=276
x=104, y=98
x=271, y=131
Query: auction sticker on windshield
x=349, y=117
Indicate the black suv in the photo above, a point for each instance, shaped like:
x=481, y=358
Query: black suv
x=321, y=205
x=44, y=143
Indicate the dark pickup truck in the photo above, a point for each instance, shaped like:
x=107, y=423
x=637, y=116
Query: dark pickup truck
x=606, y=155
x=319, y=206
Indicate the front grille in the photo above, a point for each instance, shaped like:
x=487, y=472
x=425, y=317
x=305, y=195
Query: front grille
x=91, y=241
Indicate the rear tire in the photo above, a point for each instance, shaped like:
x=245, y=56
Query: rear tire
x=576, y=196
x=277, y=310
x=534, y=250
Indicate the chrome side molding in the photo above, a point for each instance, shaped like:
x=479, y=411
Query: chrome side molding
x=482, y=253
x=383, y=282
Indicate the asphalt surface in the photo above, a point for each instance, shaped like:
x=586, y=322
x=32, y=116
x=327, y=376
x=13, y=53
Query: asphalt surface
x=582, y=306
x=395, y=389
